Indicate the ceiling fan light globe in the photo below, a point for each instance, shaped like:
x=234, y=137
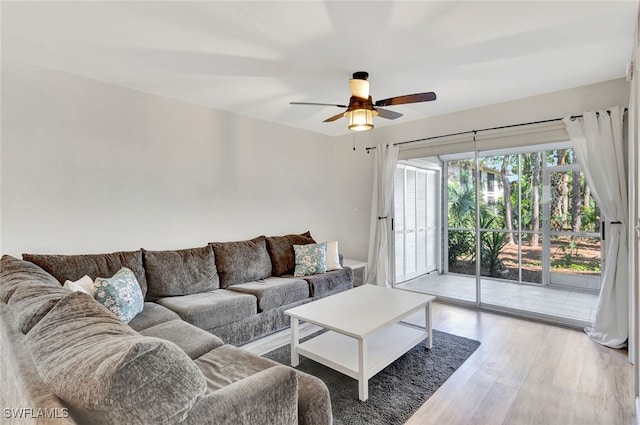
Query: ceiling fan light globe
x=360, y=119
x=359, y=88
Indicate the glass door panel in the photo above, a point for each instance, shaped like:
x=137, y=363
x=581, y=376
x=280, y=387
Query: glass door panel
x=494, y=259
x=462, y=245
x=499, y=212
x=574, y=229
x=575, y=261
x=531, y=258
x=461, y=200
x=530, y=216
x=461, y=230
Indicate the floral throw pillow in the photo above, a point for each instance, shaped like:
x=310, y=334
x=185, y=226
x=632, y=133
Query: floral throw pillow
x=310, y=259
x=120, y=294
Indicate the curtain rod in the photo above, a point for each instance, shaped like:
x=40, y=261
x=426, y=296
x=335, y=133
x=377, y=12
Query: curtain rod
x=573, y=117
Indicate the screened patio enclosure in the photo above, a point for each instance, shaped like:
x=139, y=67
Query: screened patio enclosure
x=513, y=229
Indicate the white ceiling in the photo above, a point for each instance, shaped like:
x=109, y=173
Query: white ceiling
x=253, y=58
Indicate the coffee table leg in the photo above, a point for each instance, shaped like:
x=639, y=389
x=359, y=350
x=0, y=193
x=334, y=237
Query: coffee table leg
x=428, y=327
x=363, y=382
x=295, y=358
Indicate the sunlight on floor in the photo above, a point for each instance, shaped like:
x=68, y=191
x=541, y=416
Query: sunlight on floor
x=555, y=302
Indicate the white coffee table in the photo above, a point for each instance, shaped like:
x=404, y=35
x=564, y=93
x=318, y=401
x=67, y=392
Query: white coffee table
x=365, y=335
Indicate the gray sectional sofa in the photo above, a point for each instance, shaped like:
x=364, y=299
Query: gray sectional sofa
x=67, y=359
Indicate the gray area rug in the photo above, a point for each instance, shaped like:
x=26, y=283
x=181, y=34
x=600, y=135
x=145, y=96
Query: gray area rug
x=397, y=391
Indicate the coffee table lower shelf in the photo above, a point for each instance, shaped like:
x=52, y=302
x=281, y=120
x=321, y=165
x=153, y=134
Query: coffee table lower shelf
x=346, y=354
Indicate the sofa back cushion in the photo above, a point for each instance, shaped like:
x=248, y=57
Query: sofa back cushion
x=15, y=272
x=242, y=261
x=31, y=301
x=73, y=267
x=180, y=272
x=108, y=373
x=281, y=252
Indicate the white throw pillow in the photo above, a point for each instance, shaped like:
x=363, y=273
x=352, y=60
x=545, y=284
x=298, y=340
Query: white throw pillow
x=84, y=284
x=333, y=261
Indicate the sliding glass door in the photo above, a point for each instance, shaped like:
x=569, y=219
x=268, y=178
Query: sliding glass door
x=522, y=233
x=526, y=219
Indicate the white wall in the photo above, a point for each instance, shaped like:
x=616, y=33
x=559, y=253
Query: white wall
x=356, y=168
x=92, y=167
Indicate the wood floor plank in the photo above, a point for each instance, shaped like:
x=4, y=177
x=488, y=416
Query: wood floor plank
x=546, y=375
x=491, y=411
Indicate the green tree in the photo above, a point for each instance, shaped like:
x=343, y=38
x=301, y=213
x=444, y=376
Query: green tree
x=462, y=201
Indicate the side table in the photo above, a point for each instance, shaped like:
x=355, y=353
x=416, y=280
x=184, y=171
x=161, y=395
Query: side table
x=357, y=265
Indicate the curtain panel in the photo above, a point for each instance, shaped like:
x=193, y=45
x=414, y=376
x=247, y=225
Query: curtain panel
x=379, y=258
x=598, y=143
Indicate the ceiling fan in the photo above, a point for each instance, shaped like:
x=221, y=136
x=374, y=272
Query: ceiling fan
x=362, y=109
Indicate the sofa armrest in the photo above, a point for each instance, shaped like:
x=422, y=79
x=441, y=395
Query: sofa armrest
x=267, y=397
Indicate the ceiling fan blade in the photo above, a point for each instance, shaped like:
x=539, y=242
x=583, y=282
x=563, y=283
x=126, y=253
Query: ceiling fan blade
x=335, y=117
x=388, y=114
x=318, y=104
x=359, y=88
x=409, y=98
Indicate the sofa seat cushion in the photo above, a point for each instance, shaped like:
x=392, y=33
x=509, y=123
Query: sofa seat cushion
x=106, y=372
x=180, y=272
x=323, y=284
x=15, y=272
x=193, y=340
x=208, y=310
x=228, y=364
x=73, y=267
x=152, y=314
x=242, y=261
x=274, y=292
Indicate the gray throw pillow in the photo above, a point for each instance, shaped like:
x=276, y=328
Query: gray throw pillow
x=108, y=373
x=242, y=261
x=73, y=267
x=180, y=272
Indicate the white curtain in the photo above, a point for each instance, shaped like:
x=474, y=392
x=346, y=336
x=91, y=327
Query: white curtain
x=597, y=142
x=379, y=258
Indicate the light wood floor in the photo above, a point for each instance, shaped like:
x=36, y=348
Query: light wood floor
x=523, y=373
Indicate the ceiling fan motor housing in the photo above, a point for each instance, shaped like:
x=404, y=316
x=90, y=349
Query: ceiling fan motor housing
x=360, y=75
x=358, y=103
